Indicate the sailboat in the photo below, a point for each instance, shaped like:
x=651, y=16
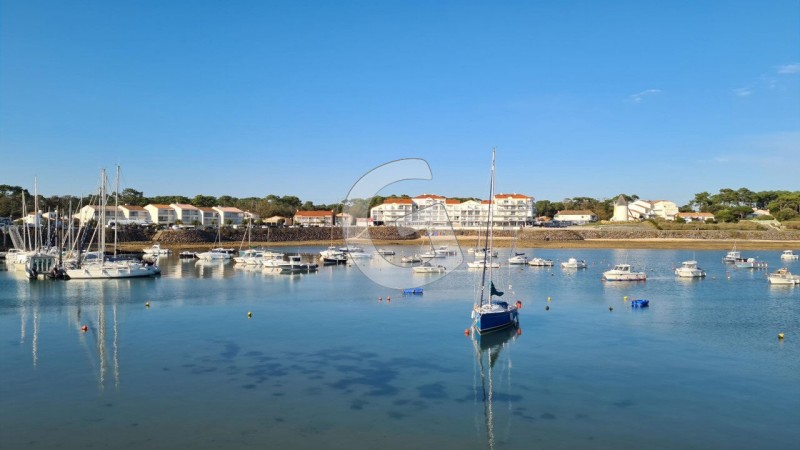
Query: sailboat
x=102, y=267
x=517, y=257
x=487, y=314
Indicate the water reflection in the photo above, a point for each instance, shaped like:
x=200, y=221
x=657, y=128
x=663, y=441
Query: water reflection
x=487, y=354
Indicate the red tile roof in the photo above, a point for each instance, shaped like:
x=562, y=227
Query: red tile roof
x=511, y=195
x=452, y=201
x=430, y=196
x=160, y=206
x=402, y=201
x=314, y=213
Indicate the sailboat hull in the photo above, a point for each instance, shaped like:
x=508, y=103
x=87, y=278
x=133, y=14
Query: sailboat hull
x=495, y=317
x=114, y=271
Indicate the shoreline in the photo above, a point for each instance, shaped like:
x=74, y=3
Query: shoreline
x=506, y=242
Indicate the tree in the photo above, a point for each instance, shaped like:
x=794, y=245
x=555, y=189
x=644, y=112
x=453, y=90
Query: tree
x=130, y=196
x=206, y=201
x=725, y=215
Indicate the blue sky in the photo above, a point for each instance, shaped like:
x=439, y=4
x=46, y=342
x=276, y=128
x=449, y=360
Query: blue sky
x=658, y=99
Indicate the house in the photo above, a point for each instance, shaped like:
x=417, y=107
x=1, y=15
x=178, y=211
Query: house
x=576, y=216
x=436, y=211
x=276, y=221
x=93, y=212
x=313, y=218
x=640, y=209
x=230, y=215
x=696, y=216
x=513, y=210
x=135, y=214
x=391, y=210
x=161, y=214
x=209, y=217
x=343, y=218
x=187, y=214
x=758, y=213
x=664, y=209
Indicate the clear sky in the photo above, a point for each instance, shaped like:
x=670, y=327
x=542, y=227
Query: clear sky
x=660, y=99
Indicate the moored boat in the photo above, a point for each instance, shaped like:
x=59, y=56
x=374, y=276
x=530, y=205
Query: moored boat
x=623, y=272
x=689, y=269
x=789, y=255
x=751, y=263
x=429, y=268
x=573, y=263
x=783, y=276
x=540, y=262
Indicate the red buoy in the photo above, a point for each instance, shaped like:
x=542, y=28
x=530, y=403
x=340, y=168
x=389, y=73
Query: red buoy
x=466, y=332
x=84, y=328
x=519, y=304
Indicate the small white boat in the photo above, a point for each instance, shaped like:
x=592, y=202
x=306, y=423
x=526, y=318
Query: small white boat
x=295, y=265
x=442, y=251
x=789, y=255
x=518, y=258
x=623, y=272
x=751, y=263
x=187, y=255
x=480, y=253
x=216, y=254
x=481, y=263
x=783, y=276
x=429, y=255
x=428, y=268
x=411, y=259
x=540, y=262
x=733, y=256
x=573, y=263
x=156, y=250
x=689, y=269
x=384, y=252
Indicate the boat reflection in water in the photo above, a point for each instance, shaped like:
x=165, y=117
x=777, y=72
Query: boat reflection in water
x=487, y=355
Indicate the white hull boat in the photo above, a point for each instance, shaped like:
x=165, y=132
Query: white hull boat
x=689, y=269
x=623, y=272
x=783, y=276
x=573, y=263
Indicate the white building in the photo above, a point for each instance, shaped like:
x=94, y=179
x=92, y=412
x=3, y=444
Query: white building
x=391, y=210
x=665, y=209
x=187, y=214
x=135, y=214
x=209, y=217
x=435, y=211
x=161, y=214
x=621, y=212
x=93, y=212
x=696, y=216
x=230, y=215
x=576, y=216
x=313, y=218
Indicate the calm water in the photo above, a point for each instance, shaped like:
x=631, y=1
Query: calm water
x=323, y=364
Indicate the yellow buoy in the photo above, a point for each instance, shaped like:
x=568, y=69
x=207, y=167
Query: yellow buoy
x=780, y=335
x=548, y=299
x=249, y=314
x=625, y=299
x=146, y=304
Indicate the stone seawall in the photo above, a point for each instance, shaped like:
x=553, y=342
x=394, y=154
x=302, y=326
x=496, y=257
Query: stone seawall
x=580, y=234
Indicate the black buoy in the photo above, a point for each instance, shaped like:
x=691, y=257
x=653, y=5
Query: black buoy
x=610, y=308
x=547, y=308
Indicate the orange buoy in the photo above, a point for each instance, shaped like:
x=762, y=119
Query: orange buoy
x=84, y=328
x=466, y=332
x=519, y=331
x=519, y=304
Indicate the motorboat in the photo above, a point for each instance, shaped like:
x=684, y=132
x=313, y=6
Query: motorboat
x=411, y=259
x=480, y=253
x=295, y=265
x=249, y=257
x=156, y=250
x=573, y=263
x=428, y=268
x=540, y=262
x=789, y=255
x=443, y=251
x=623, y=272
x=733, y=256
x=689, y=269
x=518, y=258
x=216, y=254
x=187, y=255
x=384, y=252
x=751, y=263
x=783, y=276
x=481, y=263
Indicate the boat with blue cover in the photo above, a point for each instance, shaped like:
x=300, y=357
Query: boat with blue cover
x=640, y=303
x=412, y=291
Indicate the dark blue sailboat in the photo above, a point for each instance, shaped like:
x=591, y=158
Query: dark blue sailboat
x=488, y=314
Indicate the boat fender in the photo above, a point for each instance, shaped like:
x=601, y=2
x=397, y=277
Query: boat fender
x=519, y=304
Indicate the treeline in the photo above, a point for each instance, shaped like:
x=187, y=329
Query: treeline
x=271, y=205
x=727, y=205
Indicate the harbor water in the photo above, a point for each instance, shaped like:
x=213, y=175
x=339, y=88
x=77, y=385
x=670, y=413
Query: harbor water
x=333, y=360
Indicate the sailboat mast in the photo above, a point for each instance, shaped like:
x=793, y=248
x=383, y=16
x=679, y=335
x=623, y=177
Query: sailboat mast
x=116, y=212
x=487, y=252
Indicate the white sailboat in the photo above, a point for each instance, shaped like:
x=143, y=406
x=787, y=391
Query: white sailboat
x=103, y=268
